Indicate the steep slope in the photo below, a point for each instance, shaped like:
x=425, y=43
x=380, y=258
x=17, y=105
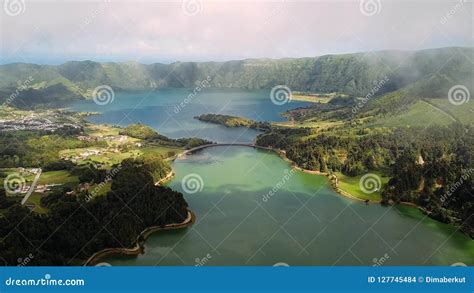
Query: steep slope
x=353, y=74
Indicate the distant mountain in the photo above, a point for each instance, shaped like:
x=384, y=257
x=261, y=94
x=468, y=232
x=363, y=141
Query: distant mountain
x=353, y=74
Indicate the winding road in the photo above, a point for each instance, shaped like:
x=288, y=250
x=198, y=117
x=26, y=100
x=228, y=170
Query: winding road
x=32, y=187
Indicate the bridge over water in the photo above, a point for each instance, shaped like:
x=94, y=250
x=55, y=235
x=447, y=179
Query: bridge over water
x=192, y=150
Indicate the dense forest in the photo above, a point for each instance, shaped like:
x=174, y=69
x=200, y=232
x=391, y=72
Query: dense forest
x=76, y=227
x=431, y=167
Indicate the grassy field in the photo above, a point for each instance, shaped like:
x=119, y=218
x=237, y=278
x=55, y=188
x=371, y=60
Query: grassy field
x=51, y=177
x=4, y=172
x=111, y=134
x=464, y=113
x=107, y=158
x=111, y=158
x=99, y=190
x=164, y=151
x=419, y=114
x=311, y=123
x=35, y=199
x=100, y=130
x=313, y=98
x=351, y=185
x=62, y=177
x=57, y=177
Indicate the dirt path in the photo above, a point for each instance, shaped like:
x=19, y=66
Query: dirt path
x=441, y=110
x=165, y=179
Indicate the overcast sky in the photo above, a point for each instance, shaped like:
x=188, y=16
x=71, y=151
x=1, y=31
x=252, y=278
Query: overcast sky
x=167, y=31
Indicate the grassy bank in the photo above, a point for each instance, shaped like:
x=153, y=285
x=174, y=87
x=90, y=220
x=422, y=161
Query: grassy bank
x=352, y=186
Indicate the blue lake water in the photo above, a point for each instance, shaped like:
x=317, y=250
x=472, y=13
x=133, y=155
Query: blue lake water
x=171, y=112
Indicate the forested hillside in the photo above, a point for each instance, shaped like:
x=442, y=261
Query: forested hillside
x=353, y=74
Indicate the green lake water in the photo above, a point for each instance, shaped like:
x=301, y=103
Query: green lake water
x=303, y=223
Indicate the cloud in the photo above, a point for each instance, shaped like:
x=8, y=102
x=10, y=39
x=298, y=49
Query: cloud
x=163, y=31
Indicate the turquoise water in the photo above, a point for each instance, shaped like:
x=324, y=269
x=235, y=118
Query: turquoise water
x=171, y=111
x=303, y=223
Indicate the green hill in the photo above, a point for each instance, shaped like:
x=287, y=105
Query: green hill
x=348, y=73
x=413, y=73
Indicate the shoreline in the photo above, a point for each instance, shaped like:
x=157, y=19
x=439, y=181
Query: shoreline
x=165, y=179
x=333, y=179
x=138, y=247
x=332, y=182
x=282, y=155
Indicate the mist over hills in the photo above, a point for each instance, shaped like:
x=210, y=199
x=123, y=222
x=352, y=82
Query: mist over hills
x=425, y=73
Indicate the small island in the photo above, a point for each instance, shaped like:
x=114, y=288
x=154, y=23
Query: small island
x=234, y=121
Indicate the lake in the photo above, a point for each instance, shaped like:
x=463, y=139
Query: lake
x=239, y=220
x=303, y=223
x=171, y=112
